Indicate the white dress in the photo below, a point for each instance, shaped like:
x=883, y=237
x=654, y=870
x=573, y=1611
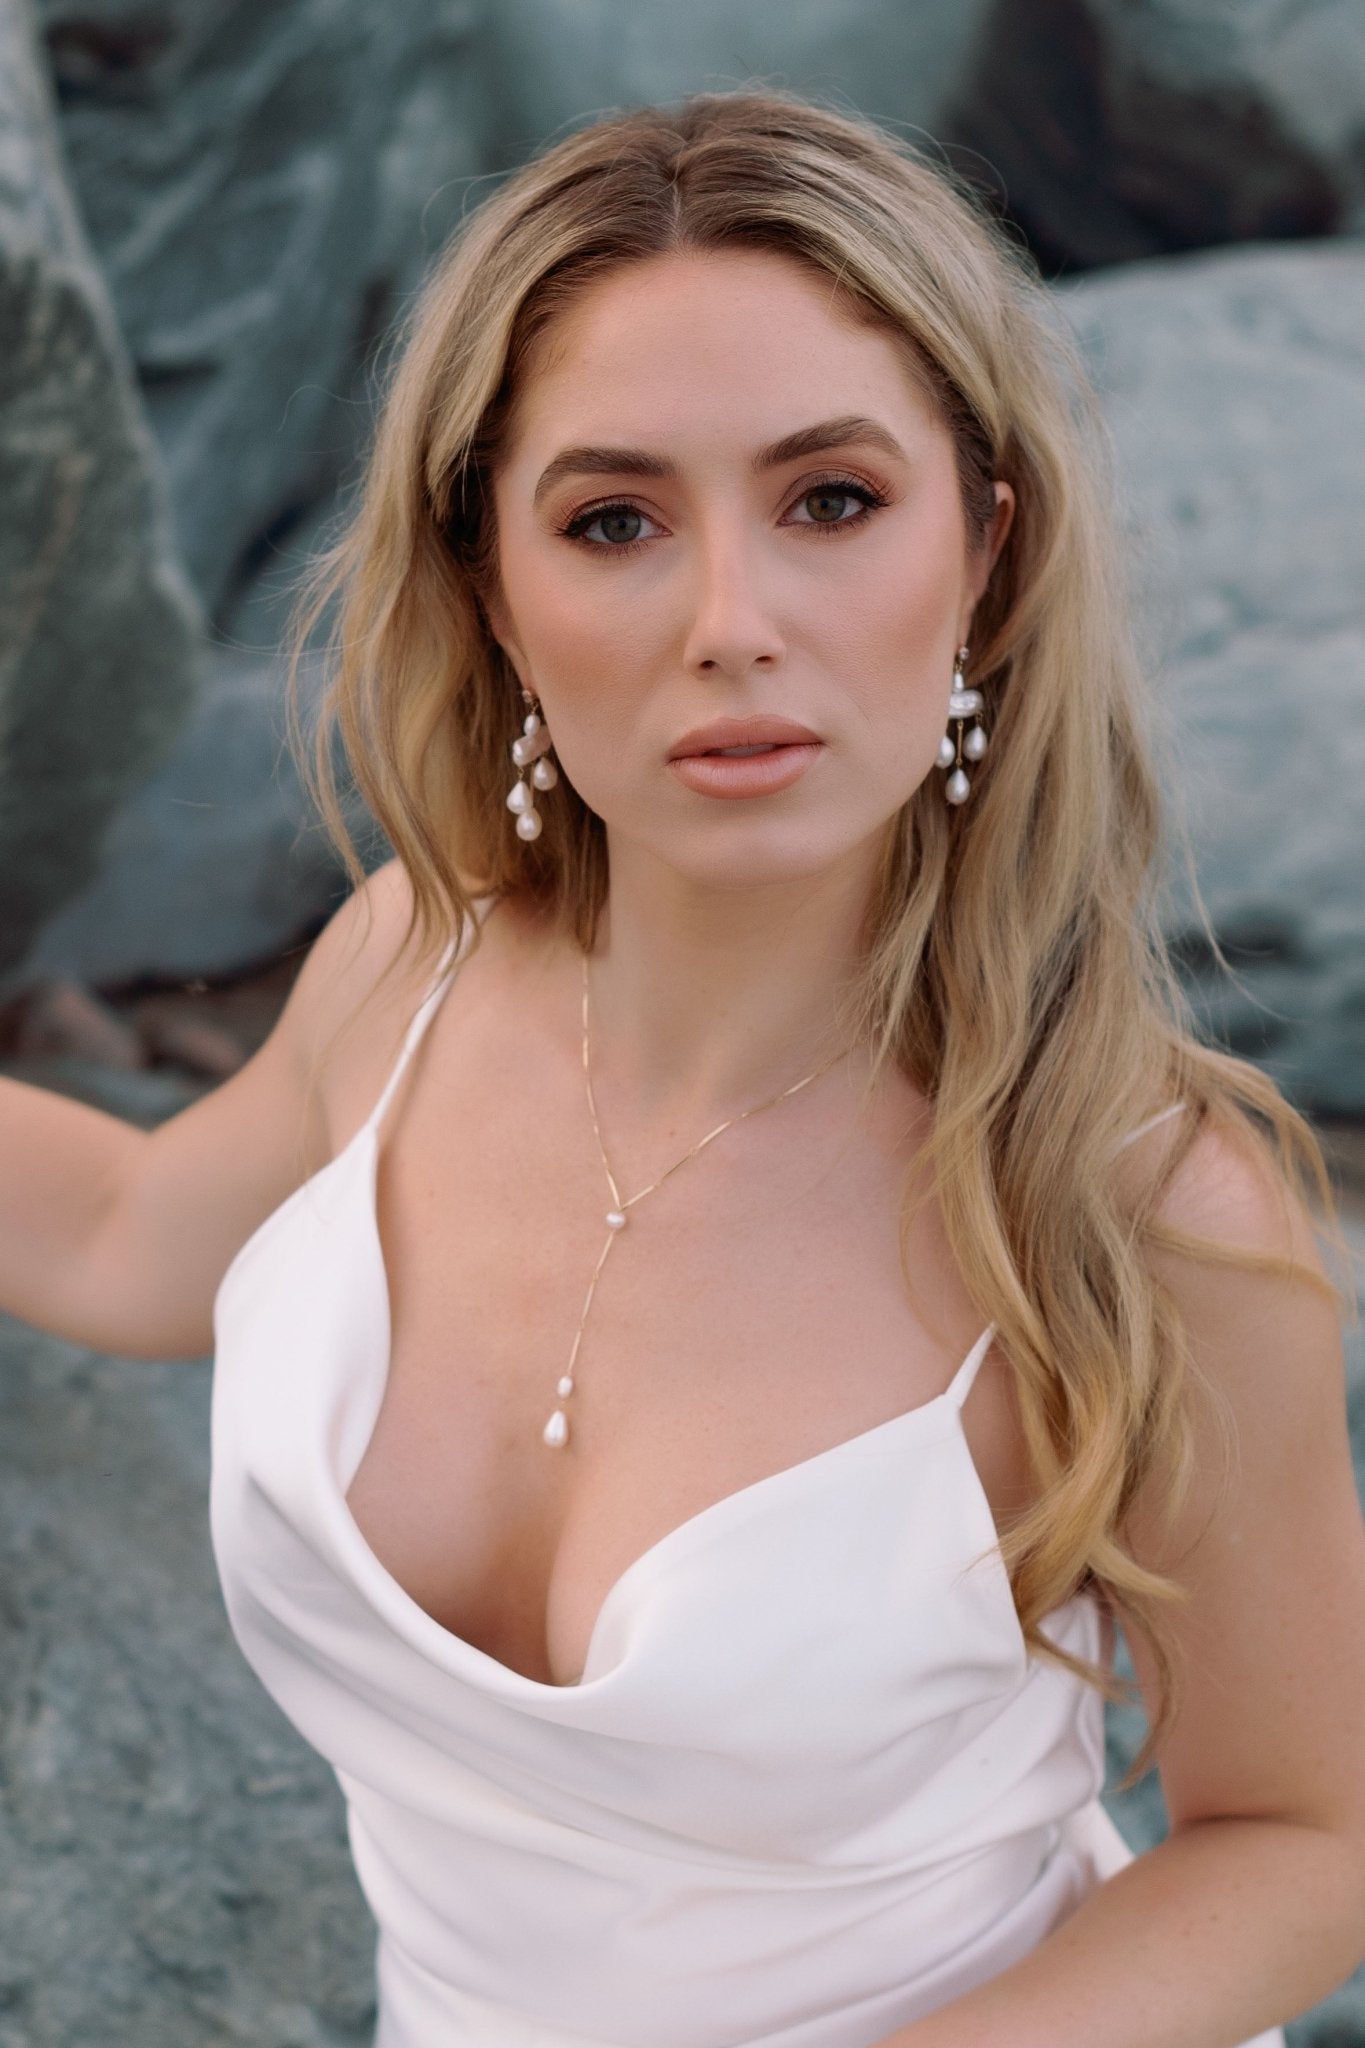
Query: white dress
x=810, y=1785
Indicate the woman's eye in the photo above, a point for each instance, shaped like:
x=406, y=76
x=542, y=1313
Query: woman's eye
x=611, y=526
x=837, y=504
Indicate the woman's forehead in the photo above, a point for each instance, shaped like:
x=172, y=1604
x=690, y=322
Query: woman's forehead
x=741, y=346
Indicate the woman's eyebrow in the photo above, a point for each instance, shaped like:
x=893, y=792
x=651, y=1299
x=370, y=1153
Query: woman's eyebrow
x=849, y=428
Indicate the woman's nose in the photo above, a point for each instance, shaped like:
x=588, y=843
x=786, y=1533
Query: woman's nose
x=732, y=628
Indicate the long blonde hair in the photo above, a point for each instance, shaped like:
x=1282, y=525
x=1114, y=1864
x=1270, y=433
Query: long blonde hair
x=1014, y=966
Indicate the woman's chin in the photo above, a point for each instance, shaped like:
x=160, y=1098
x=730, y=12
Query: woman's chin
x=732, y=856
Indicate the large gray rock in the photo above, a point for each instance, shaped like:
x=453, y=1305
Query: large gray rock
x=262, y=185
x=217, y=863
x=1121, y=129
x=1234, y=385
x=173, y=1865
x=98, y=632
x=554, y=62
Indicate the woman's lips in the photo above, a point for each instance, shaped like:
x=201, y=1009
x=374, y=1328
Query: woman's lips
x=745, y=775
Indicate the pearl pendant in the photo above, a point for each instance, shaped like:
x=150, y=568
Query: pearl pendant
x=961, y=704
x=565, y=1387
x=947, y=752
x=615, y=1220
x=556, y=1430
x=958, y=788
x=544, y=775
x=519, y=797
x=528, y=825
x=974, y=746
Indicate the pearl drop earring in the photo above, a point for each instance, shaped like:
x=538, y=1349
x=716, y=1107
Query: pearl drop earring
x=530, y=751
x=962, y=705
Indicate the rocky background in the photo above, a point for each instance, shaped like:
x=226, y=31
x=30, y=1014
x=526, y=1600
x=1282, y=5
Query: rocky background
x=211, y=216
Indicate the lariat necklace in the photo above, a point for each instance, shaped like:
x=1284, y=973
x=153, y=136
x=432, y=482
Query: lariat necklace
x=556, y=1430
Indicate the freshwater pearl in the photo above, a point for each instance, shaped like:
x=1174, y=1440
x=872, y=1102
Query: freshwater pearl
x=565, y=1388
x=545, y=775
x=530, y=749
x=615, y=1220
x=519, y=797
x=947, y=752
x=528, y=825
x=531, y=722
x=556, y=1430
x=964, y=703
x=957, y=789
x=974, y=746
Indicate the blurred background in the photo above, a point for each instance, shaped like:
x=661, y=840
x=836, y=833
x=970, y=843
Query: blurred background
x=212, y=212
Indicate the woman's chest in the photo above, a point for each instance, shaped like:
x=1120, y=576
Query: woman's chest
x=764, y=1302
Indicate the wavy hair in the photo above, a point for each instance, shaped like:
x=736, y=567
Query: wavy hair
x=1014, y=966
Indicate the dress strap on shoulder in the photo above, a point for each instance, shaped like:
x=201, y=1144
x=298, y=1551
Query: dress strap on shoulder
x=1161, y=1116
x=431, y=1002
x=962, y=1380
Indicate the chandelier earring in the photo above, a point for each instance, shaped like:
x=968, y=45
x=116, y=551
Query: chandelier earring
x=963, y=703
x=531, y=749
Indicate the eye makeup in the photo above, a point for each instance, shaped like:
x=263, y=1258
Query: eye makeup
x=576, y=527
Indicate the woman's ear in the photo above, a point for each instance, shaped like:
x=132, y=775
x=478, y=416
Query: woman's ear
x=987, y=555
x=499, y=621
x=999, y=529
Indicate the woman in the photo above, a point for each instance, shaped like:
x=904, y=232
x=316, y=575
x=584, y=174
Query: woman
x=731, y=1272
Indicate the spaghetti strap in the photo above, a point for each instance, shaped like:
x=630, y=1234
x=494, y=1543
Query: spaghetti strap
x=416, y=1031
x=961, y=1382
x=1150, y=1125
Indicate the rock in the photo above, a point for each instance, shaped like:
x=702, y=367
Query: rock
x=1123, y=129
x=173, y=1864
x=60, y=1019
x=214, y=864
x=554, y=61
x=262, y=187
x=99, y=635
x=1234, y=385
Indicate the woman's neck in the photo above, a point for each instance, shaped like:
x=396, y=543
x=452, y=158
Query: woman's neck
x=705, y=999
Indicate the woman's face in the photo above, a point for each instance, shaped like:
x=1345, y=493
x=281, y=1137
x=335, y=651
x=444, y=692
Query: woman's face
x=724, y=498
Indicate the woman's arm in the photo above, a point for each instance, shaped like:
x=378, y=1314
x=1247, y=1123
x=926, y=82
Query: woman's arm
x=1254, y=1908
x=116, y=1237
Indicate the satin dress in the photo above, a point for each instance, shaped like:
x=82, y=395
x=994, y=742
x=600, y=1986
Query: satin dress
x=810, y=1785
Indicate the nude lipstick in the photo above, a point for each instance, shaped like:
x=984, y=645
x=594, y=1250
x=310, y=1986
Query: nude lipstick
x=742, y=757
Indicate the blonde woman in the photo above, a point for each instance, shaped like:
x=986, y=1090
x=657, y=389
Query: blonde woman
x=731, y=1273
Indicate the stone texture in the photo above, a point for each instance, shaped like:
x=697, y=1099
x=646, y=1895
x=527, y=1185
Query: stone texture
x=1234, y=385
x=98, y=633
x=262, y=185
x=173, y=1868
x=1122, y=129
x=552, y=62
x=216, y=864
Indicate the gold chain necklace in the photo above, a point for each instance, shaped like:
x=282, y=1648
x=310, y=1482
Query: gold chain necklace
x=556, y=1430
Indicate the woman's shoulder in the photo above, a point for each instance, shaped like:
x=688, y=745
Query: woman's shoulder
x=1208, y=1176
x=358, y=990
x=1230, y=1239
x=363, y=959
